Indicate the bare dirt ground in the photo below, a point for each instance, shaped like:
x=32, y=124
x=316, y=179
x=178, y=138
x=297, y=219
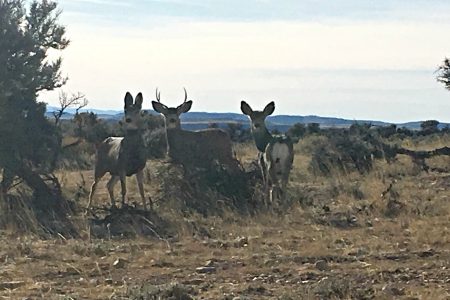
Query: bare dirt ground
x=299, y=261
x=343, y=238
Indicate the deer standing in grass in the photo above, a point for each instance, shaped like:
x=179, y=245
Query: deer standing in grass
x=123, y=156
x=194, y=148
x=275, y=153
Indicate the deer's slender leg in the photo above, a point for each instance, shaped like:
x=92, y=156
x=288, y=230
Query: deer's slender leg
x=123, y=184
x=140, y=181
x=110, y=185
x=267, y=192
x=265, y=177
x=284, y=182
x=269, y=176
x=262, y=165
x=91, y=194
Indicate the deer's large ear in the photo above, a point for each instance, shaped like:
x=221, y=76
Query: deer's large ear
x=128, y=100
x=185, y=107
x=246, y=109
x=269, y=109
x=138, y=100
x=159, y=107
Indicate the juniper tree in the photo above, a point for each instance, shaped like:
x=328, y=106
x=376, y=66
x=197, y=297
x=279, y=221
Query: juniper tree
x=28, y=140
x=443, y=72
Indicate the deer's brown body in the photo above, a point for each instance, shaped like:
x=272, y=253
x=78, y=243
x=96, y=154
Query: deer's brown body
x=194, y=148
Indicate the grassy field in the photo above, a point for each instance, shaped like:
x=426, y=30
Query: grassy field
x=381, y=235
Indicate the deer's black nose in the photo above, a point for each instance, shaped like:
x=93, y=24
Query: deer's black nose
x=128, y=120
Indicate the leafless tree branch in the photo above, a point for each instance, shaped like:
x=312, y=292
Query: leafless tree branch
x=77, y=100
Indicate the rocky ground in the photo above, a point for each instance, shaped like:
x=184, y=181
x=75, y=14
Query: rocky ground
x=269, y=258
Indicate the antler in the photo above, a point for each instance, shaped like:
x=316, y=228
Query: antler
x=158, y=95
x=185, y=95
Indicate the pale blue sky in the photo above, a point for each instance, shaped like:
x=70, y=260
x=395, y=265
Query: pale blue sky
x=355, y=59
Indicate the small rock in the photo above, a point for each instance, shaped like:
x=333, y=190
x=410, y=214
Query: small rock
x=162, y=264
x=394, y=291
x=322, y=265
x=240, y=242
x=210, y=263
x=108, y=281
x=352, y=219
x=204, y=270
x=427, y=253
x=119, y=263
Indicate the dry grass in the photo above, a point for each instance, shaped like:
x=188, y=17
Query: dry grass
x=345, y=237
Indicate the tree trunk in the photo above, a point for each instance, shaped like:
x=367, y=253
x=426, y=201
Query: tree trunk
x=46, y=199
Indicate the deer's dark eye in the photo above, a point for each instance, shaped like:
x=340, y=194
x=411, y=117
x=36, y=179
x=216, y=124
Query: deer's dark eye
x=128, y=120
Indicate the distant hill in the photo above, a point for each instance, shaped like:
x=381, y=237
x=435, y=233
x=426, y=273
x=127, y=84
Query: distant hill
x=200, y=120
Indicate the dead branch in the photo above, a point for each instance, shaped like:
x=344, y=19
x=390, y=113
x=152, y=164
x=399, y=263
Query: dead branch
x=419, y=157
x=77, y=100
x=424, y=154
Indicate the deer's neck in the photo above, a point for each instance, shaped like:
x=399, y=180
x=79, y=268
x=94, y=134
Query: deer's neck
x=133, y=140
x=132, y=155
x=173, y=137
x=262, y=138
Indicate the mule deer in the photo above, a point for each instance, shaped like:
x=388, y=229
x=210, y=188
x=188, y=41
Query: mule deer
x=194, y=148
x=275, y=153
x=123, y=156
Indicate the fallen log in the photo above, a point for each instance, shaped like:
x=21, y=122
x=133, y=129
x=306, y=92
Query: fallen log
x=419, y=156
x=424, y=154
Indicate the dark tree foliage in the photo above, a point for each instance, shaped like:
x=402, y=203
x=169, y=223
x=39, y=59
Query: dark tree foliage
x=429, y=127
x=443, y=73
x=446, y=129
x=298, y=130
x=313, y=128
x=28, y=141
x=405, y=132
x=387, y=131
x=238, y=133
x=348, y=150
x=90, y=128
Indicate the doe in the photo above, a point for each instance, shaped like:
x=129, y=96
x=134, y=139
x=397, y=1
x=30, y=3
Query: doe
x=123, y=156
x=275, y=153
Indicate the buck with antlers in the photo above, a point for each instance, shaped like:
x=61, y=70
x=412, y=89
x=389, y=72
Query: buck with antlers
x=275, y=153
x=123, y=156
x=194, y=148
